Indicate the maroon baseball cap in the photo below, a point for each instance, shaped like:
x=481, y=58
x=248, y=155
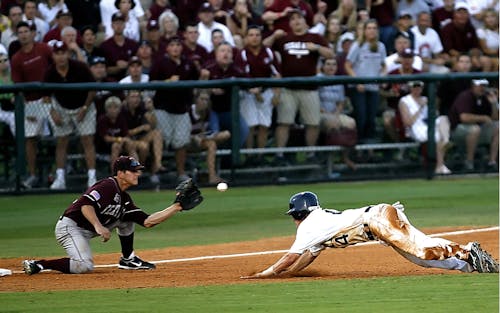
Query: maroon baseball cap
x=59, y=46
x=153, y=25
x=407, y=53
x=296, y=11
x=134, y=60
x=117, y=16
x=174, y=39
x=127, y=163
x=206, y=7
x=63, y=12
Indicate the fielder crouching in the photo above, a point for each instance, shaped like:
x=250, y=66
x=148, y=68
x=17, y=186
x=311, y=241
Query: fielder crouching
x=103, y=207
x=318, y=229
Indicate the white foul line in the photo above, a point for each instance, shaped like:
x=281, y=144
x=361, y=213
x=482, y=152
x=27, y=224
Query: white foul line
x=225, y=256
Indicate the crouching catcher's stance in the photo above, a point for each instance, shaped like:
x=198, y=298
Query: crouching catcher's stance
x=319, y=228
x=106, y=206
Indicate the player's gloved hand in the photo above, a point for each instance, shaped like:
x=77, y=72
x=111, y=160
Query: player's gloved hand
x=398, y=205
x=188, y=195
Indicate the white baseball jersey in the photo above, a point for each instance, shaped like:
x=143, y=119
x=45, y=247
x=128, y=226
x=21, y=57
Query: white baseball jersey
x=329, y=228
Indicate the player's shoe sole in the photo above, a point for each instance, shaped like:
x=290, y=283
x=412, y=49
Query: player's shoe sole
x=30, y=267
x=475, y=257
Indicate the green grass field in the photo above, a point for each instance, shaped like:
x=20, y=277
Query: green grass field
x=251, y=213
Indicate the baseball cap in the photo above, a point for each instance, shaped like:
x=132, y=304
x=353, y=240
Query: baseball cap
x=174, y=39
x=480, y=82
x=63, y=12
x=206, y=7
x=346, y=36
x=403, y=14
x=134, y=60
x=28, y=23
x=407, y=53
x=127, y=163
x=296, y=11
x=97, y=60
x=117, y=16
x=59, y=46
x=145, y=43
x=461, y=5
x=416, y=83
x=153, y=25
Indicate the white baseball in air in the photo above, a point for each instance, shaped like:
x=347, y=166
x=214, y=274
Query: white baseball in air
x=221, y=186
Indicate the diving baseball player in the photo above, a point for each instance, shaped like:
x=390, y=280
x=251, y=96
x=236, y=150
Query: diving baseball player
x=318, y=229
x=103, y=207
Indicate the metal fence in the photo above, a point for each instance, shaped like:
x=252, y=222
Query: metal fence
x=235, y=85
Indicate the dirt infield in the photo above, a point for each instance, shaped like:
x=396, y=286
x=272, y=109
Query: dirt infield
x=353, y=262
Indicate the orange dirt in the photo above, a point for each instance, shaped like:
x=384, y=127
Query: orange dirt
x=353, y=262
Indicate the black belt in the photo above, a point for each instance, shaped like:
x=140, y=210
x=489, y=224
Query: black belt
x=368, y=208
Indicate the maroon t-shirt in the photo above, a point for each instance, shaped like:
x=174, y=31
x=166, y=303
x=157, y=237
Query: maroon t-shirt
x=31, y=67
x=106, y=127
x=458, y=39
x=263, y=64
x=113, y=52
x=197, y=56
x=296, y=59
x=78, y=72
x=175, y=101
x=384, y=13
x=110, y=204
x=441, y=17
x=467, y=102
x=284, y=22
x=222, y=103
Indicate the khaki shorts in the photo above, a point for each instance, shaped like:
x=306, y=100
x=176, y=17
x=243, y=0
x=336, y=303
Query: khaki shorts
x=175, y=128
x=70, y=124
x=36, y=116
x=460, y=132
x=306, y=102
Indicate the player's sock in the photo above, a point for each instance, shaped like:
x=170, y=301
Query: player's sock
x=127, y=243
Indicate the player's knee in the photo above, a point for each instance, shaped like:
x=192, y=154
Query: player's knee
x=80, y=267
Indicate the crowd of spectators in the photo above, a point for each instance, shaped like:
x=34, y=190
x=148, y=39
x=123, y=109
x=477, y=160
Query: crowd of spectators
x=136, y=41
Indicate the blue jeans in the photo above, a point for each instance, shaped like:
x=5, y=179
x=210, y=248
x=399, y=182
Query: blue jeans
x=365, y=111
x=222, y=121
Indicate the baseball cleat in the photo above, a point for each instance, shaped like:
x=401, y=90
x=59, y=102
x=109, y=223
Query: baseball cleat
x=475, y=257
x=31, y=267
x=135, y=263
x=489, y=264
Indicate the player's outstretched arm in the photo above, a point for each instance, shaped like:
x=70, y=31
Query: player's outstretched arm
x=285, y=263
x=160, y=216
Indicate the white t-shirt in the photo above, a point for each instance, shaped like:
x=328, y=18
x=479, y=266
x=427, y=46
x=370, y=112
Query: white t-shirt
x=205, y=39
x=427, y=44
x=490, y=36
x=49, y=14
x=108, y=8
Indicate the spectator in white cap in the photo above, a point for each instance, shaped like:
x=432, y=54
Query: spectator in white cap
x=459, y=37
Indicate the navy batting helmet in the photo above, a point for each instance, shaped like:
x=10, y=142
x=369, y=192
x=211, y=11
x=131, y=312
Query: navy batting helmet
x=301, y=204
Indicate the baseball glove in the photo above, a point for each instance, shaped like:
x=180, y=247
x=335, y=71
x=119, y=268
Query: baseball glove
x=188, y=195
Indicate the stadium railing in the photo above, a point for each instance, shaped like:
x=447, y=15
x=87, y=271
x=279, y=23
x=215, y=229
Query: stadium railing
x=236, y=84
